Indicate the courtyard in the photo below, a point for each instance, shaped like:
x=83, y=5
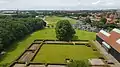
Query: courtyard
x=43, y=52
x=57, y=53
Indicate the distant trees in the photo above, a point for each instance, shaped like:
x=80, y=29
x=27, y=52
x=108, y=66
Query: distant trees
x=15, y=29
x=24, y=16
x=100, y=25
x=103, y=20
x=84, y=14
x=111, y=25
x=64, y=30
x=1, y=45
x=88, y=20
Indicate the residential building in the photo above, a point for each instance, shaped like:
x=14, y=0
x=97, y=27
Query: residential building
x=110, y=41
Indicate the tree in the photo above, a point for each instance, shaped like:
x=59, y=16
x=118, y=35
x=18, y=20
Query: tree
x=77, y=63
x=88, y=20
x=84, y=14
x=100, y=25
x=64, y=30
x=13, y=29
x=1, y=45
x=110, y=25
x=104, y=20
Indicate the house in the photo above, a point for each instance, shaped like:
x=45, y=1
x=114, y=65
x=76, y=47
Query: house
x=110, y=41
x=111, y=18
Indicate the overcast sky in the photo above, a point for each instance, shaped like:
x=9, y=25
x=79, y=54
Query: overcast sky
x=59, y=4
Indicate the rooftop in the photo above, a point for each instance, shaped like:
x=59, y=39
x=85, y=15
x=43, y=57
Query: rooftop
x=105, y=33
x=116, y=30
x=118, y=41
x=113, y=40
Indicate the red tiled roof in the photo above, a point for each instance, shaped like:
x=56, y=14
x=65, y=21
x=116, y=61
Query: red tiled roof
x=111, y=40
x=102, y=36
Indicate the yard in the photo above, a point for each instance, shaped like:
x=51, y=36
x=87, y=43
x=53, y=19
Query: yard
x=52, y=53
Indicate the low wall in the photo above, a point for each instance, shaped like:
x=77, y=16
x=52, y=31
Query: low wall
x=27, y=49
x=41, y=43
x=37, y=51
x=55, y=40
x=77, y=42
x=46, y=64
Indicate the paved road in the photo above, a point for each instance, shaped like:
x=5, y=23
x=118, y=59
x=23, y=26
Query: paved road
x=105, y=53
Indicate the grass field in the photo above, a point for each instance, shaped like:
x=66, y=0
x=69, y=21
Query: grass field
x=58, y=53
x=18, y=47
x=54, y=19
x=84, y=35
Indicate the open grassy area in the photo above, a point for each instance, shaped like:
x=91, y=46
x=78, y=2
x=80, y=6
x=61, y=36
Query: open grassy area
x=54, y=19
x=17, y=48
x=84, y=35
x=58, y=53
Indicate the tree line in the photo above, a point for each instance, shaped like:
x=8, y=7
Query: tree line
x=13, y=29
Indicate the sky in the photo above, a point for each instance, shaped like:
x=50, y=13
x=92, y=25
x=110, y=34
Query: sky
x=59, y=4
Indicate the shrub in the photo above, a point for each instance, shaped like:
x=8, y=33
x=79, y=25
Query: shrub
x=77, y=63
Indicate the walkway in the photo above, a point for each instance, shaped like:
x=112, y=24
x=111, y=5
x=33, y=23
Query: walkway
x=105, y=53
x=65, y=42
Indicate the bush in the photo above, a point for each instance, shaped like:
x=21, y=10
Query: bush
x=101, y=58
x=77, y=63
x=94, y=49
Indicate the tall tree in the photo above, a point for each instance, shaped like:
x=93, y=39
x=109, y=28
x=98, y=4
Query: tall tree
x=64, y=30
x=12, y=29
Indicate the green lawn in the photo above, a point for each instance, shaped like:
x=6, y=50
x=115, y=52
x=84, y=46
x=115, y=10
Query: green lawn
x=58, y=53
x=54, y=19
x=17, y=48
x=84, y=35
